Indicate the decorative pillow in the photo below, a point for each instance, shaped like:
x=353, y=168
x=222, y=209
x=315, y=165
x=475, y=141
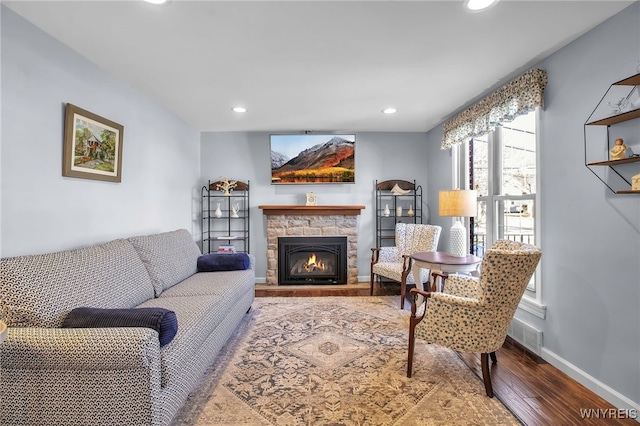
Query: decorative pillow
x=161, y=320
x=214, y=262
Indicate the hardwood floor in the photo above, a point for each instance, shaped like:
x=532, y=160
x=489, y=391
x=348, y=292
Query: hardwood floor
x=535, y=391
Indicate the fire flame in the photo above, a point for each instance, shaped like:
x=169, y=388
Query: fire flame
x=313, y=264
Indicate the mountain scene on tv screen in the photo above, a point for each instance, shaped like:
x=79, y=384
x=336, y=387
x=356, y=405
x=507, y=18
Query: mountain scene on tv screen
x=328, y=162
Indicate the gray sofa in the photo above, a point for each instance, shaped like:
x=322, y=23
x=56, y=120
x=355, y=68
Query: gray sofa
x=112, y=376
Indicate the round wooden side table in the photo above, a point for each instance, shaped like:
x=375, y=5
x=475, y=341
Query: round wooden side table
x=443, y=262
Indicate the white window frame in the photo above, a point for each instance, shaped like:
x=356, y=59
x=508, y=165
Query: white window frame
x=532, y=299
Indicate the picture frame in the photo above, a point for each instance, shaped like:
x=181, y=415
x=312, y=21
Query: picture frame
x=312, y=158
x=92, y=146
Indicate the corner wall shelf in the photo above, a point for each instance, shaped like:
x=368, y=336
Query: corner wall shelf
x=616, y=162
x=629, y=115
x=622, y=99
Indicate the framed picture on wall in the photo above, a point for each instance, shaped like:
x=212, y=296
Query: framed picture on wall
x=92, y=146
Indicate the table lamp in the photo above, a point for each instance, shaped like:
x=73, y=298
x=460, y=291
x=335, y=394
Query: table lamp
x=458, y=203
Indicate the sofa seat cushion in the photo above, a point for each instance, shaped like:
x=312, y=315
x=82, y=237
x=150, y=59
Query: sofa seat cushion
x=161, y=320
x=393, y=270
x=39, y=290
x=170, y=257
x=198, y=316
x=214, y=283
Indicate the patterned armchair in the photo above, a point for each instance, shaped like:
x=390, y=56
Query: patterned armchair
x=394, y=262
x=473, y=314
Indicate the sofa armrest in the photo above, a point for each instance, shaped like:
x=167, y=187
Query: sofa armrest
x=55, y=376
x=117, y=348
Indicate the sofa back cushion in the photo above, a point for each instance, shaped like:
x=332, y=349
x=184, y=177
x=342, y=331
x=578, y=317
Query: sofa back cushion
x=169, y=257
x=39, y=290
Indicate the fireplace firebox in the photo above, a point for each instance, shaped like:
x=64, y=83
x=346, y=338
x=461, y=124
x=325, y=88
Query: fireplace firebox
x=312, y=260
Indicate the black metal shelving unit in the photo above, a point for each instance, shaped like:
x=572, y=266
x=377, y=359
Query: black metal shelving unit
x=386, y=224
x=220, y=226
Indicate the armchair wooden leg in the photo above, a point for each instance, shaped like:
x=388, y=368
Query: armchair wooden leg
x=412, y=342
x=494, y=359
x=403, y=293
x=484, y=360
x=372, y=280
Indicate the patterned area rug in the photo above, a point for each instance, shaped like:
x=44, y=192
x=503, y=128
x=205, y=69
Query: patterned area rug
x=336, y=361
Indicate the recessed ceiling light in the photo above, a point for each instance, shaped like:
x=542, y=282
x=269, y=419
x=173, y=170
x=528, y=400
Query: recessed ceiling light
x=389, y=110
x=477, y=5
x=239, y=109
x=156, y=1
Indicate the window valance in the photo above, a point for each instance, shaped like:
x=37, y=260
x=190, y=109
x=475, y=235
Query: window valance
x=519, y=97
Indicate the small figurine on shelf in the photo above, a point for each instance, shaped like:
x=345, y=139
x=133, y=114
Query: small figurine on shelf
x=226, y=185
x=235, y=209
x=218, y=212
x=619, y=151
x=396, y=190
x=386, y=210
x=410, y=212
x=635, y=182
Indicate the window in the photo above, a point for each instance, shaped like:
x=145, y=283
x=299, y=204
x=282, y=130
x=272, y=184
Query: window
x=502, y=167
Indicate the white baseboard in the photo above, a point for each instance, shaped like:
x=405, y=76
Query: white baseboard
x=614, y=397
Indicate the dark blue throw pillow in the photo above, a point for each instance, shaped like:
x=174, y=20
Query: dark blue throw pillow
x=214, y=262
x=161, y=320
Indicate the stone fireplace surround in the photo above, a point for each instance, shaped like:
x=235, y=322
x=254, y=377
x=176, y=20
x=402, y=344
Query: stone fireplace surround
x=299, y=220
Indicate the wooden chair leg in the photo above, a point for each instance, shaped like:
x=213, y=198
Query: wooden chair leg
x=403, y=293
x=484, y=360
x=371, y=285
x=494, y=359
x=412, y=342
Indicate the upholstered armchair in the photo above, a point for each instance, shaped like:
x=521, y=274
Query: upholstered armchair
x=394, y=262
x=473, y=314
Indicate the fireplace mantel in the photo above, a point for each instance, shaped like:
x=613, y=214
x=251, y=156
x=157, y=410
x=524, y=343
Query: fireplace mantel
x=310, y=210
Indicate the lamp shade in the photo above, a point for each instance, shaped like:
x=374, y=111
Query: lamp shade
x=458, y=203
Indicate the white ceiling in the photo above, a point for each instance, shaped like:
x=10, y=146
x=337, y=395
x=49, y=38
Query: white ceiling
x=315, y=66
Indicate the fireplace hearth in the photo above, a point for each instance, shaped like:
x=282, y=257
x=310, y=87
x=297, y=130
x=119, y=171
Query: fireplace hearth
x=312, y=260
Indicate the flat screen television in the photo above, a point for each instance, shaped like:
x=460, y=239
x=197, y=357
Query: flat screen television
x=312, y=158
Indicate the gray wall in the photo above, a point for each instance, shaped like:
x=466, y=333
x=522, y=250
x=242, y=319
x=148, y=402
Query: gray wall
x=381, y=156
x=43, y=211
x=590, y=237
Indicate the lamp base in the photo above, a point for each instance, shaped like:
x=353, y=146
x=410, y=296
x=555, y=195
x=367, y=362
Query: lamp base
x=458, y=240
